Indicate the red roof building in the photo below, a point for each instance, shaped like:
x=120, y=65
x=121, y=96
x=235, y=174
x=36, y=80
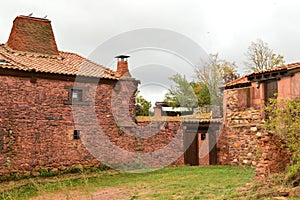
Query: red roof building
x=43, y=90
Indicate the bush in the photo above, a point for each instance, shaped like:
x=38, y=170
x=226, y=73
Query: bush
x=283, y=120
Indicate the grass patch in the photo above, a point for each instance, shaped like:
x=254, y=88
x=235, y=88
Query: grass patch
x=215, y=182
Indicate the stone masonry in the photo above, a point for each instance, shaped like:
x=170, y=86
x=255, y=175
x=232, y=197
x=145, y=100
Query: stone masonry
x=244, y=140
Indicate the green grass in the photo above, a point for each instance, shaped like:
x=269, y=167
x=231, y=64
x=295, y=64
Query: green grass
x=216, y=182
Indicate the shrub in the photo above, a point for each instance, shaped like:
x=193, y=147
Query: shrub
x=283, y=120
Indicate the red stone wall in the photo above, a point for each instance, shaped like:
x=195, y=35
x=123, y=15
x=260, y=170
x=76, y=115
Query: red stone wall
x=37, y=127
x=245, y=142
x=37, y=124
x=238, y=144
x=295, y=85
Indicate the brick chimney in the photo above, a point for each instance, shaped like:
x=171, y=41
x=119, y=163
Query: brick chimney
x=32, y=34
x=122, y=67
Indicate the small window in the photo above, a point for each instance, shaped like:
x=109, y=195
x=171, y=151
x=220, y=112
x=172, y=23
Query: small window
x=77, y=95
x=76, y=135
x=203, y=136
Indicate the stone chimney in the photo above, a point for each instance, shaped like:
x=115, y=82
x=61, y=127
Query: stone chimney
x=122, y=67
x=32, y=34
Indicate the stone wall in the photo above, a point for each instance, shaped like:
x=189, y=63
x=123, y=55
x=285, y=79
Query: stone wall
x=37, y=126
x=244, y=140
x=239, y=139
x=38, y=123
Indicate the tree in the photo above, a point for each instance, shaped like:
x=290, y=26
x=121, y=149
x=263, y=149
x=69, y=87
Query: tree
x=181, y=93
x=206, y=90
x=260, y=56
x=142, y=106
x=215, y=73
x=202, y=93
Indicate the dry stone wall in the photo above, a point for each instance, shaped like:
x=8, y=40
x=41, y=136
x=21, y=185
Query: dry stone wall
x=245, y=142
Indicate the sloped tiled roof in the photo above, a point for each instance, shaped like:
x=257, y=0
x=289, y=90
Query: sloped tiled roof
x=279, y=68
x=244, y=79
x=64, y=63
x=240, y=80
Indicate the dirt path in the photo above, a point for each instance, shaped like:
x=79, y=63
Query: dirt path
x=109, y=193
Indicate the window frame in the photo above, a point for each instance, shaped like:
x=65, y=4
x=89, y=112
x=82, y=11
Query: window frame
x=71, y=100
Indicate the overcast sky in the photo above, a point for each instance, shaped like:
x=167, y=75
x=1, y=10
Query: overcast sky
x=218, y=26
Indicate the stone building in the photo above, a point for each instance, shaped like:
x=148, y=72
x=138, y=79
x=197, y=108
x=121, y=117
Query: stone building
x=41, y=88
x=244, y=140
x=59, y=110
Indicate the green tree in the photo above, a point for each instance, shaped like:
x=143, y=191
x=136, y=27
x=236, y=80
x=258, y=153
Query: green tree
x=283, y=120
x=202, y=93
x=181, y=93
x=142, y=106
x=260, y=57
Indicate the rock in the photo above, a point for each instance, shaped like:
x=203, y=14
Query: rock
x=54, y=170
x=265, y=156
x=259, y=134
x=253, y=129
x=295, y=192
x=237, y=144
x=245, y=161
x=34, y=173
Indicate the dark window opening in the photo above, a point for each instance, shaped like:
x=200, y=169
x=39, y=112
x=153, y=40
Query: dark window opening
x=76, y=135
x=271, y=88
x=77, y=95
x=203, y=136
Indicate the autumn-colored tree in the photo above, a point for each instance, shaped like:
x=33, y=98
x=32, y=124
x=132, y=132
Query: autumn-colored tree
x=260, y=57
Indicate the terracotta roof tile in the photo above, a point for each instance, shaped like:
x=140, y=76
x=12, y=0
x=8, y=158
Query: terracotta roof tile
x=240, y=80
x=244, y=79
x=64, y=63
x=283, y=67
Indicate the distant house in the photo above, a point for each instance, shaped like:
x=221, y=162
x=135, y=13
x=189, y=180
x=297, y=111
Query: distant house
x=162, y=109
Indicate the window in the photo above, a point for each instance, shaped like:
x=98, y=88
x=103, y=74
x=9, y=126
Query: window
x=244, y=97
x=76, y=135
x=76, y=95
x=203, y=136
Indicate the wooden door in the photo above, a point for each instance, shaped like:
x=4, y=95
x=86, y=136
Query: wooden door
x=191, y=146
x=213, y=154
x=271, y=88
